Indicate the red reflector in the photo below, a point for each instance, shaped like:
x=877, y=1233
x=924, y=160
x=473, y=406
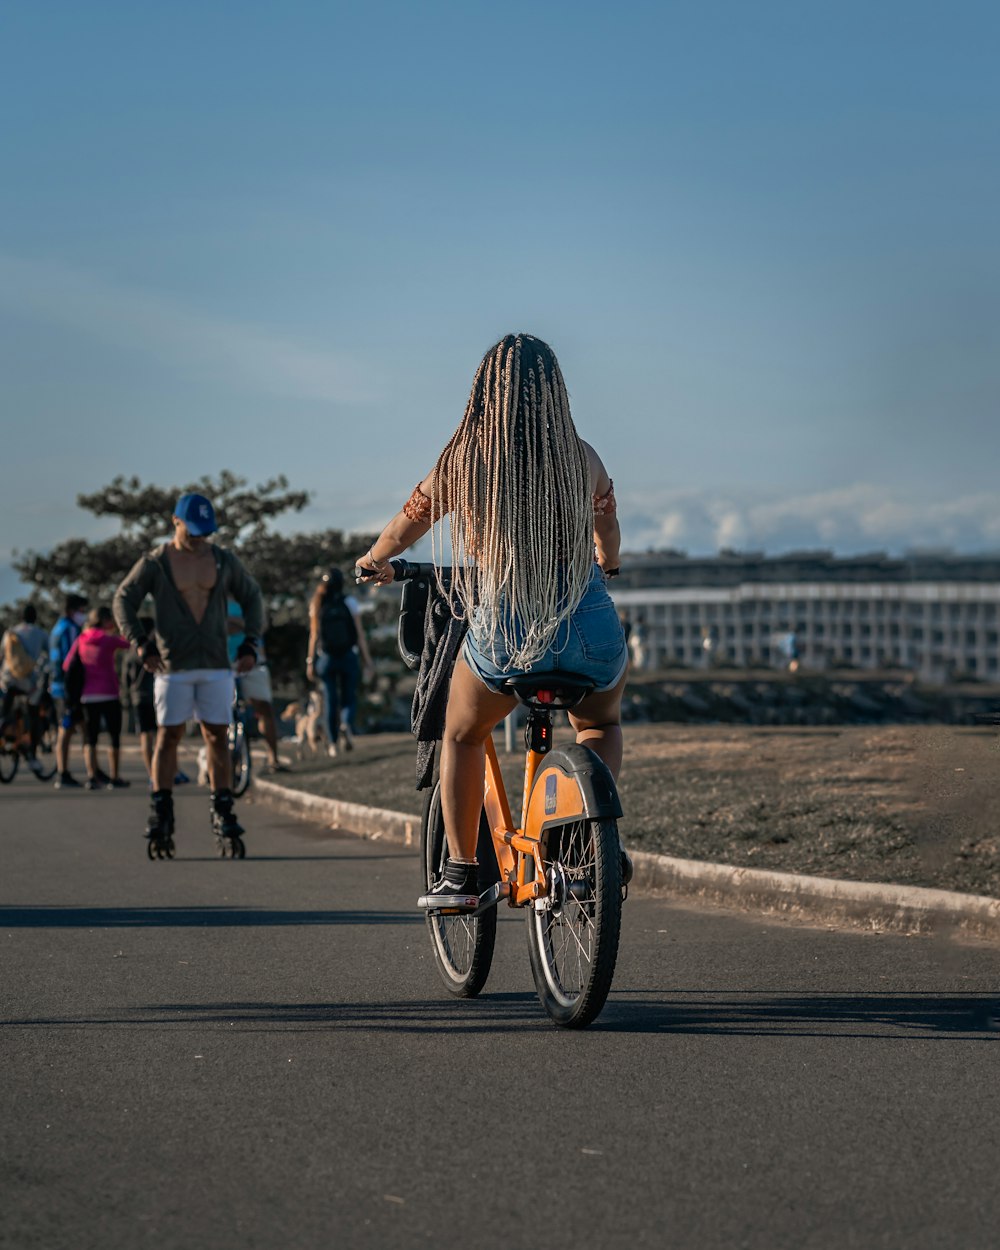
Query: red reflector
x=545, y=696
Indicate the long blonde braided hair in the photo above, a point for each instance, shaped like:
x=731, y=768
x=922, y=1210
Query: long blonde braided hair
x=515, y=483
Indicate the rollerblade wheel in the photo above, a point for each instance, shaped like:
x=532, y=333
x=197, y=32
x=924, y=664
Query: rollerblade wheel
x=168, y=849
x=239, y=850
x=150, y=849
x=222, y=847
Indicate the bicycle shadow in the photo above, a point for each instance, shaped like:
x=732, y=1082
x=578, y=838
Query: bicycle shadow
x=872, y=1016
x=922, y=1017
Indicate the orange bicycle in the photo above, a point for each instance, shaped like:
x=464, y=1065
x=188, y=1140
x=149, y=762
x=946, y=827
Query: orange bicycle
x=562, y=864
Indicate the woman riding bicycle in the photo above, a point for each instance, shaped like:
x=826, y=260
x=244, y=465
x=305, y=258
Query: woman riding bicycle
x=533, y=537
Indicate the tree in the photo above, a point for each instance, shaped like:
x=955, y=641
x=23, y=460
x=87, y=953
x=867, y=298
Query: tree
x=287, y=566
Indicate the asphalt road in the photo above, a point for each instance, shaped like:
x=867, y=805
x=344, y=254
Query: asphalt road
x=257, y=1054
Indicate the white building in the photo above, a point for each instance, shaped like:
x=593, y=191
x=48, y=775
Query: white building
x=935, y=614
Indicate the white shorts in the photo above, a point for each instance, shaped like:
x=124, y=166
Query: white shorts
x=204, y=693
x=257, y=684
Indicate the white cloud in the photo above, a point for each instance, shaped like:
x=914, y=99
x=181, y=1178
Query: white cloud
x=861, y=517
x=237, y=353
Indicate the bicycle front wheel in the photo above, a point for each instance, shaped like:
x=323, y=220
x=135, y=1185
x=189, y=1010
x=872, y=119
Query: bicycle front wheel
x=8, y=763
x=573, y=942
x=239, y=753
x=462, y=945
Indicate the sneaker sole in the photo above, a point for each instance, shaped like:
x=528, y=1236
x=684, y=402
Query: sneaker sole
x=455, y=905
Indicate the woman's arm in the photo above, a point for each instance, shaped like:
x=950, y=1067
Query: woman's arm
x=411, y=523
x=313, y=641
x=607, y=534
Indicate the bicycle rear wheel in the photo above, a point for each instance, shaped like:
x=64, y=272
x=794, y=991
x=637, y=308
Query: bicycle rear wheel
x=462, y=945
x=573, y=942
x=45, y=774
x=239, y=753
x=8, y=763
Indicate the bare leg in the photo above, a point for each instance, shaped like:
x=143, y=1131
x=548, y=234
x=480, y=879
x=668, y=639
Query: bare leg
x=63, y=738
x=90, y=759
x=597, y=721
x=147, y=741
x=220, y=768
x=114, y=761
x=165, y=756
x=473, y=712
x=268, y=727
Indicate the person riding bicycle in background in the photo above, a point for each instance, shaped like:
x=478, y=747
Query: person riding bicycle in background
x=64, y=633
x=533, y=537
x=336, y=636
x=25, y=649
x=256, y=687
x=100, y=697
x=191, y=581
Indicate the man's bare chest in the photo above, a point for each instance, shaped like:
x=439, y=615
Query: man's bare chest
x=194, y=575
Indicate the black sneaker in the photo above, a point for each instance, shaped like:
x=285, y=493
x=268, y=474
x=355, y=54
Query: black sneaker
x=457, y=891
x=66, y=781
x=118, y=783
x=102, y=777
x=93, y=783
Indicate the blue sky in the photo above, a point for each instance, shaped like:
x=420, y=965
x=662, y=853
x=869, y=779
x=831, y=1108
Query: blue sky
x=761, y=238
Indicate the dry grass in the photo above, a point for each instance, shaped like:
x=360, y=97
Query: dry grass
x=914, y=805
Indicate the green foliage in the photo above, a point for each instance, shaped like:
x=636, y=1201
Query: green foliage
x=287, y=566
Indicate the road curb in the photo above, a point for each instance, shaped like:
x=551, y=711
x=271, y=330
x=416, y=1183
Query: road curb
x=818, y=900
x=825, y=900
x=367, y=822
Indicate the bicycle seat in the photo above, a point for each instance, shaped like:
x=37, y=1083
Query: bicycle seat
x=555, y=691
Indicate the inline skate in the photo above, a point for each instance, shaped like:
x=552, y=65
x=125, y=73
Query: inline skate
x=226, y=827
x=160, y=826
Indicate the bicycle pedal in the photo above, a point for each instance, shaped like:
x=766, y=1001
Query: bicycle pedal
x=463, y=905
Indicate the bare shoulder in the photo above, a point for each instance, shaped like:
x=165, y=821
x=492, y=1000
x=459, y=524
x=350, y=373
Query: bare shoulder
x=599, y=479
x=429, y=483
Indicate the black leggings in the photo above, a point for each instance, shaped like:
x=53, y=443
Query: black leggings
x=108, y=711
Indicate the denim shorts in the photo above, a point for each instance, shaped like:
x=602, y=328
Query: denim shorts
x=591, y=643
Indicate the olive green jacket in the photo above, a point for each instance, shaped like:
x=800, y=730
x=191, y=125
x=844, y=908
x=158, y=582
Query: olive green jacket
x=183, y=642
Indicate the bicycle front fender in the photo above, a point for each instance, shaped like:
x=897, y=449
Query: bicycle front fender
x=571, y=782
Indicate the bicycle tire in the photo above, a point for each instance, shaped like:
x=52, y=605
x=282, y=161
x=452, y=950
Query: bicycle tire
x=573, y=945
x=462, y=945
x=45, y=774
x=239, y=754
x=9, y=757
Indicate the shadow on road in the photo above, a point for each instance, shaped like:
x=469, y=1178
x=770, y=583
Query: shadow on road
x=802, y=1015
x=185, y=917
x=881, y=1017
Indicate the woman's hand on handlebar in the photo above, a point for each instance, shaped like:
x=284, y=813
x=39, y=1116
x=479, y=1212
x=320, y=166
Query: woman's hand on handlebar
x=369, y=572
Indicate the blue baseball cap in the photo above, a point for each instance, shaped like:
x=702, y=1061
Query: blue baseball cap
x=197, y=514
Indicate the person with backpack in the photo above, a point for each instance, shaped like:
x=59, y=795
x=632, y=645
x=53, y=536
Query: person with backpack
x=336, y=636
x=22, y=672
x=64, y=633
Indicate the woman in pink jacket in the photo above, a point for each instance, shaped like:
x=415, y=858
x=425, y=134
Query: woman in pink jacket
x=100, y=701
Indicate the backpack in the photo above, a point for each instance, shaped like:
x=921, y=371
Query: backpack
x=337, y=630
x=16, y=659
x=76, y=676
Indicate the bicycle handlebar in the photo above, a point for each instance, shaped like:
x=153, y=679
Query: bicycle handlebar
x=410, y=570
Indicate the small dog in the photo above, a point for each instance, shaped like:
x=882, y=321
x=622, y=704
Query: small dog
x=309, y=719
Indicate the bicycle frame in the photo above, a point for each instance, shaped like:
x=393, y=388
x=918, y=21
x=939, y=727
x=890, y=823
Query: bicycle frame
x=519, y=849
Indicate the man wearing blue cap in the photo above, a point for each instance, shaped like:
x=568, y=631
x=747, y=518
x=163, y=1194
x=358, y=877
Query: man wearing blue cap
x=191, y=581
